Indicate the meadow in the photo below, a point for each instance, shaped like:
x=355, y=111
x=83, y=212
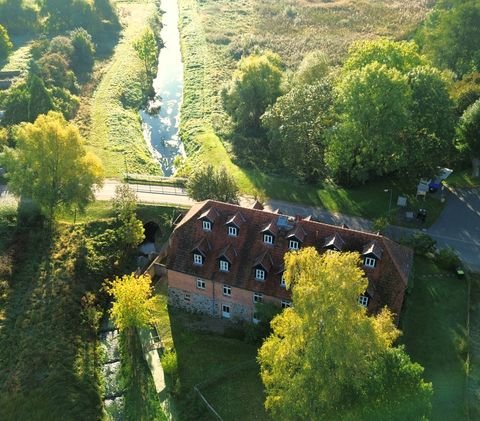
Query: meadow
x=110, y=119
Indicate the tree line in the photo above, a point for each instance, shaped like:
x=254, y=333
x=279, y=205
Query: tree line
x=393, y=107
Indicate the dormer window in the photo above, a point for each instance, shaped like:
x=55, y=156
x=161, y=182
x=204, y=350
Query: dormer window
x=257, y=297
x=259, y=274
x=370, y=262
x=286, y=303
x=207, y=225
x=268, y=238
x=293, y=245
x=197, y=259
x=363, y=300
x=283, y=281
x=233, y=231
x=224, y=266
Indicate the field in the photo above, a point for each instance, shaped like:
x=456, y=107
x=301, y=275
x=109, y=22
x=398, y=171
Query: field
x=110, y=117
x=435, y=335
x=216, y=33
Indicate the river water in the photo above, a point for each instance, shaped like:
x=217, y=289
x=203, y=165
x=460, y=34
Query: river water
x=161, y=129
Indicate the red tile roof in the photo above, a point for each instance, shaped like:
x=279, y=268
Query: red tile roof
x=387, y=281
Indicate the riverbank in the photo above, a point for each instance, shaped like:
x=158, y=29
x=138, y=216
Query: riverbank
x=115, y=133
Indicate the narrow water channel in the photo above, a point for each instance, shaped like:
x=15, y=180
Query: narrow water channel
x=161, y=129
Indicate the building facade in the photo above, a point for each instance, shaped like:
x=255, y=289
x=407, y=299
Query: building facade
x=223, y=259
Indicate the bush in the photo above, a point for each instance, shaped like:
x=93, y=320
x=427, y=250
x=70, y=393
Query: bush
x=170, y=363
x=421, y=243
x=447, y=259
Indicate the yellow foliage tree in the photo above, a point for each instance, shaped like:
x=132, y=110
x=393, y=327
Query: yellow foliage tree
x=327, y=359
x=134, y=305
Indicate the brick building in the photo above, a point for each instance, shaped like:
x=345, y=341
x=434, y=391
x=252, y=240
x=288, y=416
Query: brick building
x=224, y=258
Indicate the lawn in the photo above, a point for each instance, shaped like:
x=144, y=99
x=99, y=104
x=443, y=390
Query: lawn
x=435, y=335
x=215, y=33
x=20, y=56
x=204, y=356
x=114, y=128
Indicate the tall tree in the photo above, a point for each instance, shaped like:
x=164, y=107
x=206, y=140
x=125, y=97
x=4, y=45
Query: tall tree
x=375, y=117
x=134, y=305
x=313, y=68
x=51, y=166
x=83, y=55
x=255, y=85
x=402, y=56
x=147, y=50
x=208, y=183
x=468, y=134
x=297, y=126
x=5, y=43
x=327, y=359
x=450, y=35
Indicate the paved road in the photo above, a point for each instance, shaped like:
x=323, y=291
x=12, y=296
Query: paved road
x=459, y=225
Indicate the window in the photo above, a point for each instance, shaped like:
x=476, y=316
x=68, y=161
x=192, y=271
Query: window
x=259, y=274
x=363, y=300
x=256, y=318
x=286, y=303
x=370, y=262
x=268, y=239
x=293, y=245
x=283, y=282
x=207, y=226
x=197, y=259
x=233, y=231
x=257, y=297
x=224, y=266
x=226, y=311
x=227, y=290
x=200, y=284
x=186, y=297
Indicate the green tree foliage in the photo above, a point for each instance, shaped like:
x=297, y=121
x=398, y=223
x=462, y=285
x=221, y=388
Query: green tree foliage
x=255, y=86
x=450, y=36
x=327, y=359
x=5, y=43
x=134, y=305
x=391, y=118
x=54, y=70
x=297, y=126
x=402, y=56
x=61, y=45
x=83, y=52
x=468, y=131
x=374, y=121
x=18, y=17
x=313, y=68
x=466, y=91
x=208, y=183
x=51, y=166
x=147, y=50
x=130, y=231
x=26, y=101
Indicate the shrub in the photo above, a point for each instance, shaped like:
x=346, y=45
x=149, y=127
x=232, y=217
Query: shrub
x=421, y=243
x=447, y=259
x=170, y=363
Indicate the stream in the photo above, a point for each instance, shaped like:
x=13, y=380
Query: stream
x=160, y=129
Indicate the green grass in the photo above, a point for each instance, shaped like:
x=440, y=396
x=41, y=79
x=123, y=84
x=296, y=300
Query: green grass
x=474, y=371
x=203, y=356
x=462, y=179
x=115, y=133
x=435, y=336
x=20, y=56
x=141, y=399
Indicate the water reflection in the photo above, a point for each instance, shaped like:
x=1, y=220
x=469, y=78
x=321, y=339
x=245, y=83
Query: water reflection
x=161, y=129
